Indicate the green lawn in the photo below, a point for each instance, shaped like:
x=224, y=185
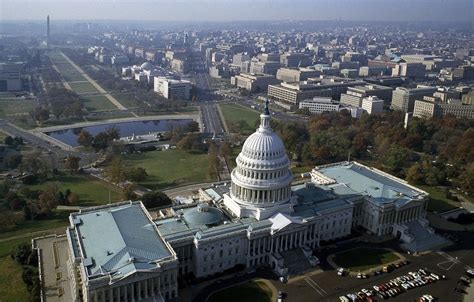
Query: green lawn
x=253, y=291
x=91, y=192
x=83, y=87
x=28, y=228
x=364, y=258
x=239, y=118
x=12, y=287
x=301, y=169
x=438, y=202
x=71, y=76
x=171, y=168
x=7, y=246
x=3, y=135
x=128, y=100
x=16, y=106
x=97, y=102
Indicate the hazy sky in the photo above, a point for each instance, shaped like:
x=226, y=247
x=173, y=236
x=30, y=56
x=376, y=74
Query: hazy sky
x=230, y=10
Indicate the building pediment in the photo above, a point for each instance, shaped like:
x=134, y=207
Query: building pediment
x=282, y=222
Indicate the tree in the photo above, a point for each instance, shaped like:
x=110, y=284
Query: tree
x=116, y=171
x=415, y=175
x=32, y=163
x=137, y=174
x=155, y=199
x=225, y=149
x=466, y=178
x=128, y=192
x=72, y=163
x=40, y=114
x=49, y=199
x=192, y=127
x=21, y=253
x=13, y=161
x=85, y=138
x=396, y=158
x=214, y=162
x=72, y=198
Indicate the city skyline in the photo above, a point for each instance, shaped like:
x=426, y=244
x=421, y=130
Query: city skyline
x=224, y=10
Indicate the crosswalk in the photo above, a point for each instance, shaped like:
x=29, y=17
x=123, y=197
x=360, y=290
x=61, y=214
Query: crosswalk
x=315, y=286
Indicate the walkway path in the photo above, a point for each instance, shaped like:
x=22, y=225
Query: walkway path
x=96, y=85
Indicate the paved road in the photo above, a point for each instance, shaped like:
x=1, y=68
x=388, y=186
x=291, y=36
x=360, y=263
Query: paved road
x=56, y=150
x=211, y=119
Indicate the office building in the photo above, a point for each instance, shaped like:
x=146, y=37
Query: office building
x=10, y=76
x=372, y=105
x=253, y=82
x=431, y=107
x=173, y=89
x=319, y=105
x=295, y=59
x=366, y=71
x=410, y=70
x=404, y=98
x=292, y=75
x=237, y=59
x=293, y=93
x=354, y=95
x=269, y=67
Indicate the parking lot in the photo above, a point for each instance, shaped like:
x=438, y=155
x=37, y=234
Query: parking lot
x=328, y=286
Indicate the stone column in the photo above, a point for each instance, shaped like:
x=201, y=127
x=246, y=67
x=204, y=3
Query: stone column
x=139, y=296
x=132, y=291
x=146, y=288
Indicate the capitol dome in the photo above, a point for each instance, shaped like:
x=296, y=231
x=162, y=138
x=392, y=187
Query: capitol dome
x=204, y=214
x=146, y=66
x=262, y=177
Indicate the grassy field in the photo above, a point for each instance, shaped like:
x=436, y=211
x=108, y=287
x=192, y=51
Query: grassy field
x=362, y=258
x=438, y=202
x=12, y=287
x=7, y=246
x=97, y=102
x=302, y=169
x=171, y=168
x=72, y=76
x=16, y=106
x=82, y=87
x=28, y=228
x=253, y=291
x=239, y=118
x=91, y=192
x=3, y=135
x=128, y=100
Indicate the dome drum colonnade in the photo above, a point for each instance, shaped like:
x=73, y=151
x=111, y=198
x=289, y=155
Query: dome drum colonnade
x=262, y=178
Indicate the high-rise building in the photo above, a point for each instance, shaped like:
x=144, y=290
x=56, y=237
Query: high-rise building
x=404, y=99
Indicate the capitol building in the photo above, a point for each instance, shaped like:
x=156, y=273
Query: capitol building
x=261, y=217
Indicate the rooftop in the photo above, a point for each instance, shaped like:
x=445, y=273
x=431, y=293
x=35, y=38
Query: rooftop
x=378, y=186
x=118, y=240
